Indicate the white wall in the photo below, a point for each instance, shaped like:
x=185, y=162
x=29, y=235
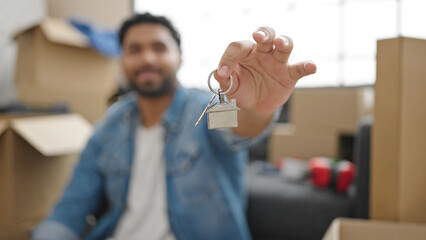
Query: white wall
x=14, y=15
x=339, y=36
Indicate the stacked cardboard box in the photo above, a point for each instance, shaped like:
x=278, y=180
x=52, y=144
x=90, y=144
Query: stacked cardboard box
x=398, y=160
x=287, y=140
x=338, y=108
x=37, y=156
x=319, y=118
x=397, y=192
x=56, y=65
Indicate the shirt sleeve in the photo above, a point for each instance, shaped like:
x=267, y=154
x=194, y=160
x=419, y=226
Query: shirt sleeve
x=80, y=199
x=234, y=142
x=51, y=230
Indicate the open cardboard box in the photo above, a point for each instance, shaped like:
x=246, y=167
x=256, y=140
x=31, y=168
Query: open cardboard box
x=55, y=64
x=37, y=155
x=356, y=229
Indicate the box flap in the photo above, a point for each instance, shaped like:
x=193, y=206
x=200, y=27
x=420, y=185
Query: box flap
x=25, y=29
x=56, y=134
x=60, y=31
x=354, y=229
x=3, y=126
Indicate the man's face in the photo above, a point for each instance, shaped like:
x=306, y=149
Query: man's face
x=151, y=59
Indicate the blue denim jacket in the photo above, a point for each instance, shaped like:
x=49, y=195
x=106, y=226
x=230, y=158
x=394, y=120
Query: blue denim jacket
x=204, y=174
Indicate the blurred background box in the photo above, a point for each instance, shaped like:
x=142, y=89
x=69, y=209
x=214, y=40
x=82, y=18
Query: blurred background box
x=109, y=13
x=339, y=107
x=398, y=167
x=289, y=140
x=17, y=15
x=37, y=155
x=323, y=122
x=356, y=229
x=55, y=64
x=19, y=232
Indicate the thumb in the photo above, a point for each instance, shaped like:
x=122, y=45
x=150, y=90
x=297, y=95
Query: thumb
x=230, y=58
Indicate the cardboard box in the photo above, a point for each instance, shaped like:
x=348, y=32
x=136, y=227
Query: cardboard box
x=398, y=160
x=288, y=140
x=56, y=65
x=22, y=231
x=108, y=13
x=340, y=108
x=37, y=155
x=15, y=235
x=356, y=229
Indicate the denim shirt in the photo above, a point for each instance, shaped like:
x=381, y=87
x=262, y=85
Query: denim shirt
x=206, y=196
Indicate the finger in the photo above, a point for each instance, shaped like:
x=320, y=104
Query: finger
x=230, y=58
x=302, y=69
x=283, y=48
x=264, y=37
x=225, y=85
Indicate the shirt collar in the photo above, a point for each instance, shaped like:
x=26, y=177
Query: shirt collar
x=171, y=116
x=174, y=112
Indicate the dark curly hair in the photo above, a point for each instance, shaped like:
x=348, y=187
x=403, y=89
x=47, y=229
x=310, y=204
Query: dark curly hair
x=148, y=18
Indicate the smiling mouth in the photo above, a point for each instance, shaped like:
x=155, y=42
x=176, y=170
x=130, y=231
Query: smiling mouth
x=147, y=76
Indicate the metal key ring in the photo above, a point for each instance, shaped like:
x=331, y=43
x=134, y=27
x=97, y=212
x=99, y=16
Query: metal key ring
x=211, y=89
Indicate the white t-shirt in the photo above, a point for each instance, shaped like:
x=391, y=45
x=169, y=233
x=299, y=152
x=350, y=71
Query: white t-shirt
x=146, y=214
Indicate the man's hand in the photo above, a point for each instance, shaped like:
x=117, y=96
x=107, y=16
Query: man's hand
x=263, y=78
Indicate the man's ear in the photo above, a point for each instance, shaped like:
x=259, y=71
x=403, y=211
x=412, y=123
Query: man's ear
x=121, y=62
x=180, y=60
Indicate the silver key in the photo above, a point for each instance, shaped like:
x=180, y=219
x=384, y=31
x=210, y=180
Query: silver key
x=205, y=109
x=222, y=114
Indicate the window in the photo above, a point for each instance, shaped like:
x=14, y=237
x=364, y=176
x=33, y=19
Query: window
x=338, y=35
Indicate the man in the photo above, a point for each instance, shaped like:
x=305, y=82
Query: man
x=162, y=177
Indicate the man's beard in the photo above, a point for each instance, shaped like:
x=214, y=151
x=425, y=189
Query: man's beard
x=166, y=86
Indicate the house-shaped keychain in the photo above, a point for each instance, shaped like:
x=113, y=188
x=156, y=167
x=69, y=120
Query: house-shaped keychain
x=222, y=114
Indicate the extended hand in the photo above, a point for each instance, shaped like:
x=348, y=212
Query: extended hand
x=263, y=78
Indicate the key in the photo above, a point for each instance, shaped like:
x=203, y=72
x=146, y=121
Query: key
x=222, y=114
x=205, y=109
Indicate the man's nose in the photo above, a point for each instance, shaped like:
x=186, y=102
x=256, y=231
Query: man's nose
x=147, y=57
